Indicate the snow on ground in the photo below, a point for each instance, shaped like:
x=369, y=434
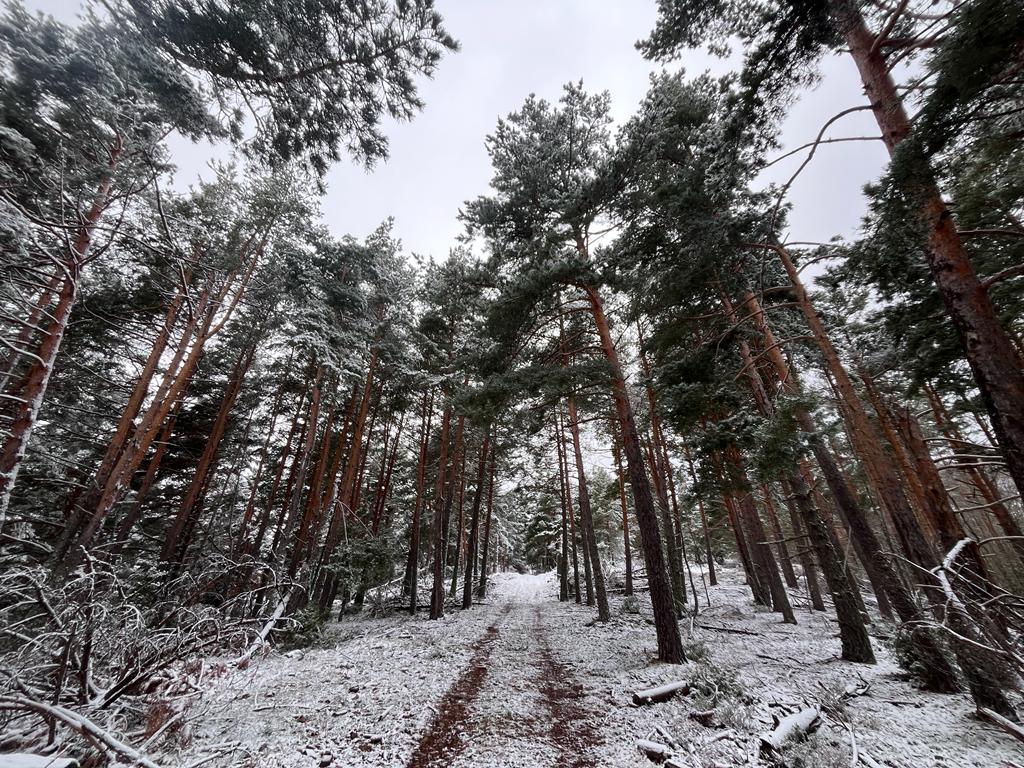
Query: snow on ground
x=524, y=681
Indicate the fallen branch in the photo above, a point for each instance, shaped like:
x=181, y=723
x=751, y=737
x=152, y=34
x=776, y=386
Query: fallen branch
x=1007, y=725
x=731, y=630
x=81, y=724
x=261, y=639
x=661, y=693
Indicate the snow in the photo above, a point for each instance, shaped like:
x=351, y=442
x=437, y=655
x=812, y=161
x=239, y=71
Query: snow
x=541, y=684
x=24, y=760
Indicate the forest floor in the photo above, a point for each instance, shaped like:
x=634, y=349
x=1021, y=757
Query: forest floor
x=524, y=681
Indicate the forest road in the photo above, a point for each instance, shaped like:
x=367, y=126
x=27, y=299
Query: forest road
x=516, y=704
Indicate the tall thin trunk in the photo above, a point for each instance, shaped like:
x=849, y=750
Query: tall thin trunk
x=627, y=550
x=586, y=516
x=437, y=594
x=996, y=363
x=563, y=555
x=384, y=485
x=178, y=536
x=563, y=477
x=708, y=555
x=481, y=590
x=670, y=646
x=856, y=645
x=773, y=521
x=804, y=545
x=460, y=530
x=347, y=488
x=413, y=561
x=32, y=391
x=474, y=524
x=661, y=470
x=979, y=478
x=293, y=498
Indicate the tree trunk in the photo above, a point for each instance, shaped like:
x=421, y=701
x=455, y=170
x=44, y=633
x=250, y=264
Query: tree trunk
x=437, y=595
x=997, y=365
x=563, y=556
x=773, y=520
x=803, y=548
x=853, y=635
x=481, y=590
x=708, y=554
x=178, y=536
x=33, y=389
x=586, y=517
x=474, y=524
x=670, y=647
x=626, y=548
x=661, y=471
x=563, y=476
x=413, y=561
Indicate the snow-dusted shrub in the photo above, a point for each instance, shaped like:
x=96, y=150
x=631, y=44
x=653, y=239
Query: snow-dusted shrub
x=630, y=605
x=696, y=649
x=98, y=661
x=304, y=628
x=817, y=751
x=737, y=715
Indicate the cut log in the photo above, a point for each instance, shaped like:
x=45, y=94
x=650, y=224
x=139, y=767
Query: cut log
x=794, y=727
x=654, y=751
x=661, y=693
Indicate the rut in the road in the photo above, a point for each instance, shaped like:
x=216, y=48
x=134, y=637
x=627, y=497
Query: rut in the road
x=442, y=740
x=570, y=731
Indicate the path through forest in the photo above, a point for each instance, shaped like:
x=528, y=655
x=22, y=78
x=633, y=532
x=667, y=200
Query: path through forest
x=523, y=681
x=516, y=698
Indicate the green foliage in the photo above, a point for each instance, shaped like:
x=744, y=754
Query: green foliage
x=313, y=75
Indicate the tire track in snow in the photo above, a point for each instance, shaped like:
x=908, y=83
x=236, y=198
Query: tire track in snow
x=570, y=731
x=443, y=739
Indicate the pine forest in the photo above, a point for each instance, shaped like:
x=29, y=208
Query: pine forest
x=669, y=410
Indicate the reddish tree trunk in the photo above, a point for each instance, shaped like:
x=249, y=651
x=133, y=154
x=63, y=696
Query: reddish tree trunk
x=412, y=562
x=474, y=525
x=481, y=590
x=587, y=518
x=670, y=647
x=996, y=363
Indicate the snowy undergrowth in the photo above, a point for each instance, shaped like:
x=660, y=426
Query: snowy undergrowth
x=365, y=694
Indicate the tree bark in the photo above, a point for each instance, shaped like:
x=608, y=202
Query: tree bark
x=481, y=590
x=996, y=363
x=627, y=552
x=670, y=646
x=474, y=524
x=587, y=518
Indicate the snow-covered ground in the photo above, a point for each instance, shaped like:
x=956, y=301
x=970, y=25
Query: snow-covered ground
x=525, y=681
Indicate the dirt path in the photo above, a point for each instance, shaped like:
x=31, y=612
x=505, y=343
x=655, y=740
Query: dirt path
x=515, y=704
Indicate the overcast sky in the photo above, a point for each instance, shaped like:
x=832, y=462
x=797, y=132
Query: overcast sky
x=511, y=48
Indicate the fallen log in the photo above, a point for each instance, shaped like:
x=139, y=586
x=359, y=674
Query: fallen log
x=730, y=630
x=243, y=661
x=1009, y=726
x=654, y=751
x=794, y=727
x=661, y=693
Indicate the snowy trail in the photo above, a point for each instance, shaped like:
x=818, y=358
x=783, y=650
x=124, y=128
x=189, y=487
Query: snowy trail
x=524, y=681
x=515, y=704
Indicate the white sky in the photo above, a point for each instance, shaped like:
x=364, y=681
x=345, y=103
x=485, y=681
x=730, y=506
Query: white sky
x=511, y=48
